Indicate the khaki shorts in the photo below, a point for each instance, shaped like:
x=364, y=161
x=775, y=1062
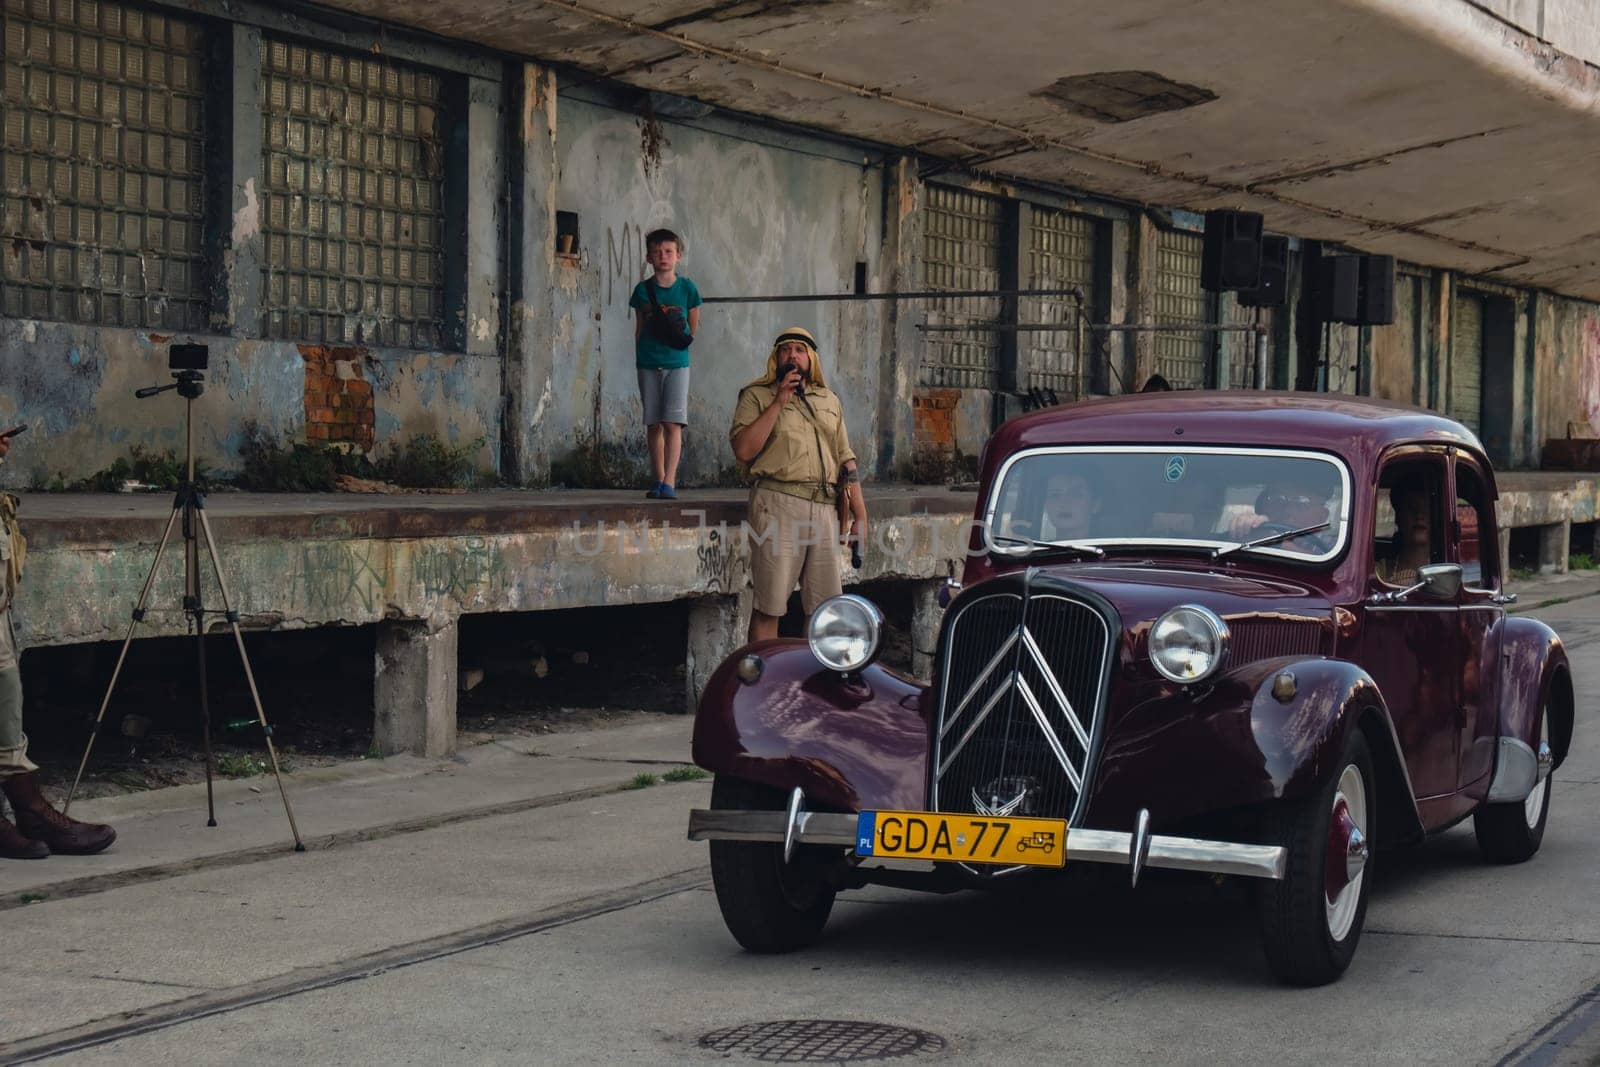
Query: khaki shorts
x=792, y=540
x=13, y=742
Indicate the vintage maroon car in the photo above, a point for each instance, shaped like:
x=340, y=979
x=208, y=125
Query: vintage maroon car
x=1246, y=634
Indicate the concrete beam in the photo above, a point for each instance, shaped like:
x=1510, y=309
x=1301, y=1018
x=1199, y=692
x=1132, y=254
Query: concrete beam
x=414, y=695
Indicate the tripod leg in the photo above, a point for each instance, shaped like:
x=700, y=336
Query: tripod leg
x=249, y=675
x=138, y=615
x=205, y=714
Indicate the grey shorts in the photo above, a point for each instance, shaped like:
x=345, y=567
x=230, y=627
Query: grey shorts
x=665, y=394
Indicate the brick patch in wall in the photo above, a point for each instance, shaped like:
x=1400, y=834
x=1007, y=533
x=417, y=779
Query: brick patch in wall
x=933, y=420
x=338, y=400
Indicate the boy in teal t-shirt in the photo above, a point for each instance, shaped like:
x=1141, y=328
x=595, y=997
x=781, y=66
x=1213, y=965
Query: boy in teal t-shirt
x=660, y=326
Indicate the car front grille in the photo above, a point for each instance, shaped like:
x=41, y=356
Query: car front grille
x=1020, y=705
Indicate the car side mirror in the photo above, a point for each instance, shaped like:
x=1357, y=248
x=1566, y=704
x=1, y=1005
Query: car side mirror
x=1442, y=581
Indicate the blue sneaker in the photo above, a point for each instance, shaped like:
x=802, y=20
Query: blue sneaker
x=654, y=492
x=667, y=492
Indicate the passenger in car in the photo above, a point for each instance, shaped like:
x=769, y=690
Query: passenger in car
x=1412, y=545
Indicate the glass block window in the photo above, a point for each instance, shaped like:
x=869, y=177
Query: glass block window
x=1180, y=355
x=961, y=250
x=353, y=206
x=101, y=161
x=1061, y=253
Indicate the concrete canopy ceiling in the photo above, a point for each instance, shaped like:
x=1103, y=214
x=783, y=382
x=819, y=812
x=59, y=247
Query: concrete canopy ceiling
x=1432, y=131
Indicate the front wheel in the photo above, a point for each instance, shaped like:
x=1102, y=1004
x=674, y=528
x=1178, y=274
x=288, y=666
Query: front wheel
x=1512, y=833
x=767, y=904
x=1311, y=920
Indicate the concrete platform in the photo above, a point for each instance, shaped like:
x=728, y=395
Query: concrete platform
x=414, y=564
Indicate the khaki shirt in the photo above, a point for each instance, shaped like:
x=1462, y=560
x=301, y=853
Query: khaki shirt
x=808, y=443
x=13, y=550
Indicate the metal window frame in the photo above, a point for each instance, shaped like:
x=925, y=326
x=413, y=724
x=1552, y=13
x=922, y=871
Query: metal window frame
x=391, y=213
x=93, y=220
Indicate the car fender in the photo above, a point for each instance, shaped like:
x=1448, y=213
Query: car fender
x=1303, y=737
x=1534, y=674
x=850, y=744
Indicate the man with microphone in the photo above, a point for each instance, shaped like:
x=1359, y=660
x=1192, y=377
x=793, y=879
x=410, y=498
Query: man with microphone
x=788, y=432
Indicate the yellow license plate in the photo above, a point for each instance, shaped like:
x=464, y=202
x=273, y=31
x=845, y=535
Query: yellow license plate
x=929, y=835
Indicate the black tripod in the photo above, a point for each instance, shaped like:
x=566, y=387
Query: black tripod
x=191, y=503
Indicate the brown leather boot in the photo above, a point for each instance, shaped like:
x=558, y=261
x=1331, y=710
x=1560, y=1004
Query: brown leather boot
x=13, y=846
x=36, y=818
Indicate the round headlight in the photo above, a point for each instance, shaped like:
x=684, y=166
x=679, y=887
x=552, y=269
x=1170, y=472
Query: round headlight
x=1188, y=643
x=845, y=632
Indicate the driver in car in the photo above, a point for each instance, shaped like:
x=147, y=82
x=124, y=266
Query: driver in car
x=1288, y=505
x=1070, y=503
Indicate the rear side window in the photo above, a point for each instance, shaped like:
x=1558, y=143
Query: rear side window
x=1477, y=551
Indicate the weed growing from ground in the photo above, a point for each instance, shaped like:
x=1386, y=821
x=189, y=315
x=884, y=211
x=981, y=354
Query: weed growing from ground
x=684, y=774
x=642, y=780
x=240, y=765
x=425, y=462
x=163, y=470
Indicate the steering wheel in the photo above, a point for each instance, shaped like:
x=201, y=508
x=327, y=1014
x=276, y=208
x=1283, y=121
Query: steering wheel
x=1315, y=541
x=1268, y=529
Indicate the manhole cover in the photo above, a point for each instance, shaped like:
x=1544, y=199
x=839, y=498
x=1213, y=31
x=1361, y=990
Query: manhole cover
x=822, y=1041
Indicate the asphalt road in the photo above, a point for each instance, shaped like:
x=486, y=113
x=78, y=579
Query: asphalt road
x=586, y=933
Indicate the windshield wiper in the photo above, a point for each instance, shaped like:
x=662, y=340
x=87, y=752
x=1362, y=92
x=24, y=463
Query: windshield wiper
x=1270, y=539
x=1047, y=546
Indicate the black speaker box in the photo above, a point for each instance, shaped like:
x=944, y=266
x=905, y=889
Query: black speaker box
x=1231, y=257
x=1273, y=290
x=1375, y=300
x=1338, y=288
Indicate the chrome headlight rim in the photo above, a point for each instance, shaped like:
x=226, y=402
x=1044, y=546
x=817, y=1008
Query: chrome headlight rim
x=1214, y=629
x=846, y=606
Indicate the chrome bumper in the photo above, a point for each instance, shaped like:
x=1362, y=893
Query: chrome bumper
x=1138, y=850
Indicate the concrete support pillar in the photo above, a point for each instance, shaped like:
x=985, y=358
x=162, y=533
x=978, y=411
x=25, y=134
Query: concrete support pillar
x=926, y=616
x=1144, y=239
x=1555, y=545
x=531, y=254
x=236, y=202
x=414, y=696
x=717, y=626
x=902, y=342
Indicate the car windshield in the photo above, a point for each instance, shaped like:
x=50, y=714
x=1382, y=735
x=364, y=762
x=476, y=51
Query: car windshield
x=1216, y=498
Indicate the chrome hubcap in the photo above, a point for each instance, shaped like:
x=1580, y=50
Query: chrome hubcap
x=1535, y=802
x=1348, y=850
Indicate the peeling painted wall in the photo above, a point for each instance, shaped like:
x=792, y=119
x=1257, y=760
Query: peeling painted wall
x=73, y=385
x=757, y=219
x=1567, y=359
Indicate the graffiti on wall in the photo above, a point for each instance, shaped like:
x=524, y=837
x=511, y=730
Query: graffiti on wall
x=333, y=575
x=624, y=260
x=462, y=571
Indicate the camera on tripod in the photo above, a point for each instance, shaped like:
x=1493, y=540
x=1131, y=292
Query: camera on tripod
x=188, y=363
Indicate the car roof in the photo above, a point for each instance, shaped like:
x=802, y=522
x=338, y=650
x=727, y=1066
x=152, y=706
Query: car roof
x=1352, y=427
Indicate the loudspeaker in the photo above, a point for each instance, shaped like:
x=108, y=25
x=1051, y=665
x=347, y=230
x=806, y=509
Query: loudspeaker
x=1338, y=288
x=1273, y=289
x=1375, y=300
x=1231, y=257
